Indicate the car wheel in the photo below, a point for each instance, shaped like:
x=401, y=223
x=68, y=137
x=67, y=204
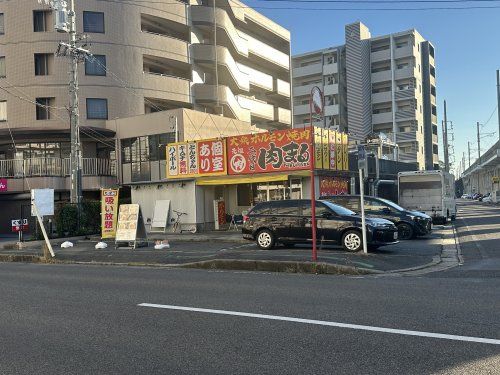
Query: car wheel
x=265, y=239
x=352, y=241
x=405, y=231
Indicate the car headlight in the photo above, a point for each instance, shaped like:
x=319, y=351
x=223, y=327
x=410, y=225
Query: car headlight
x=412, y=217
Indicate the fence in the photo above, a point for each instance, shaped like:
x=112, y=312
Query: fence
x=55, y=167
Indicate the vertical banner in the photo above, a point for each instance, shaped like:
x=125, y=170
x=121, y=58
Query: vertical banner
x=172, y=162
x=318, y=148
x=331, y=143
x=325, y=149
x=345, y=151
x=109, y=212
x=339, y=155
x=192, y=158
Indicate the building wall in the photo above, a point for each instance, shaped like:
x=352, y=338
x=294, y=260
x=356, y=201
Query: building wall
x=387, y=85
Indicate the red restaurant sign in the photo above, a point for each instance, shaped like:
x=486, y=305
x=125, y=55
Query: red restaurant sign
x=3, y=184
x=281, y=150
x=333, y=186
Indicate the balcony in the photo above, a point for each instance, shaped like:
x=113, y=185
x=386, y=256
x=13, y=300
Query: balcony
x=433, y=100
x=282, y=116
x=405, y=51
x=301, y=109
x=381, y=97
x=203, y=17
x=214, y=96
x=406, y=137
x=266, y=52
x=308, y=70
x=435, y=139
x=166, y=87
x=331, y=89
x=257, y=78
x=434, y=119
x=332, y=110
x=282, y=88
x=382, y=76
x=304, y=90
x=330, y=68
x=381, y=118
x=406, y=72
x=170, y=47
x=403, y=115
x=405, y=94
x=229, y=72
x=54, y=173
x=382, y=55
x=258, y=108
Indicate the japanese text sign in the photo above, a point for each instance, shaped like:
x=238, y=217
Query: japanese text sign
x=109, y=212
x=191, y=159
x=19, y=225
x=281, y=150
x=333, y=186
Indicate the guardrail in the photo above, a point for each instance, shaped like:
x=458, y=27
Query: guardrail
x=54, y=167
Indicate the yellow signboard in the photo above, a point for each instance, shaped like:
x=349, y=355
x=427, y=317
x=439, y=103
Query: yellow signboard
x=109, y=210
x=345, y=152
x=495, y=179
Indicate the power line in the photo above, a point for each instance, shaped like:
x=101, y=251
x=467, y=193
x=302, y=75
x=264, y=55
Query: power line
x=139, y=3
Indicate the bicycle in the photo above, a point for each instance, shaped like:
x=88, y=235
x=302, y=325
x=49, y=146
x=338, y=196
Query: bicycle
x=177, y=223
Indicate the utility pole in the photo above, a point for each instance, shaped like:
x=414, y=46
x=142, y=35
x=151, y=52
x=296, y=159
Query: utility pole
x=468, y=146
x=65, y=21
x=445, y=141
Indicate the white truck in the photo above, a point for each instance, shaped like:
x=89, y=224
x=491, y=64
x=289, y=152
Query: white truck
x=430, y=192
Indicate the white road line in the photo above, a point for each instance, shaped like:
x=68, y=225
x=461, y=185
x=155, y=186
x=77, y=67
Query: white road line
x=329, y=324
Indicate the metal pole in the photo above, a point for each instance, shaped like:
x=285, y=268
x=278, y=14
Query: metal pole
x=313, y=186
x=362, y=204
x=76, y=188
x=445, y=141
x=468, y=146
x=498, y=101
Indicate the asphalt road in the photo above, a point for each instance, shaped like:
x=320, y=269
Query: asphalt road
x=69, y=319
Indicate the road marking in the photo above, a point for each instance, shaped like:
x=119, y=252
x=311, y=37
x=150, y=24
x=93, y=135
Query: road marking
x=327, y=323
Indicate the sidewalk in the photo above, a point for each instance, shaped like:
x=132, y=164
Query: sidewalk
x=228, y=251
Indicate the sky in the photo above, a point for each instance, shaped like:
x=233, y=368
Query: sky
x=467, y=44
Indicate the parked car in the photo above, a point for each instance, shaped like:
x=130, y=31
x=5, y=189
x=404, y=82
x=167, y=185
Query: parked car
x=465, y=196
x=487, y=198
x=476, y=196
x=289, y=222
x=409, y=223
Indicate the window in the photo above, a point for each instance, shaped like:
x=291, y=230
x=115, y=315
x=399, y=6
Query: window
x=3, y=72
x=2, y=25
x=93, y=22
x=97, y=109
x=95, y=66
x=42, y=61
x=40, y=18
x=3, y=110
x=320, y=209
x=42, y=108
x=374, y=206
x=286, y=208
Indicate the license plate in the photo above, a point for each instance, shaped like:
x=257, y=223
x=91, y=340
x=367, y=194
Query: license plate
x=395, y=235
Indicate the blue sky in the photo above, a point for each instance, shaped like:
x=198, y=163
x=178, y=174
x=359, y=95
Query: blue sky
x=467, y=53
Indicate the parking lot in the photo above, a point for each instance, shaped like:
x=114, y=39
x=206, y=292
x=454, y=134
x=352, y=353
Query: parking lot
x=405, y=254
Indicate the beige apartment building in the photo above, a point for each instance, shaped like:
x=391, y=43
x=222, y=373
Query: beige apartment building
x=220, y=58
x=375, y=85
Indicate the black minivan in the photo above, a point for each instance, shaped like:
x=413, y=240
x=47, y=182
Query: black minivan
x=289, y=222
x=409, y=223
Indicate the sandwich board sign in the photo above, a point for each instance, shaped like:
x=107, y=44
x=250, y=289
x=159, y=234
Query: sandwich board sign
x=130, y=226
x=160, y=215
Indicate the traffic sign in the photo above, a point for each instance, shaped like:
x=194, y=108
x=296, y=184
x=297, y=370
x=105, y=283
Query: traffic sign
x=361, y=157
x=18, y=225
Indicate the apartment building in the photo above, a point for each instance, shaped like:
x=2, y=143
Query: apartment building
x=374, y=85
x=221, y=58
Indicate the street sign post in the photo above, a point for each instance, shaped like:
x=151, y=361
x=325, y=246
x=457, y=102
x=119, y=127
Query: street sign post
x=19, y=226
x=361, y=168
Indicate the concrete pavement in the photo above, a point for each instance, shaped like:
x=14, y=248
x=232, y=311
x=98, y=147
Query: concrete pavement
x=421, y=252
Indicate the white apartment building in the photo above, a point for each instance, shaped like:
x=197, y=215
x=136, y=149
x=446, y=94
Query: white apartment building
x=215, y=56
x=375, y=85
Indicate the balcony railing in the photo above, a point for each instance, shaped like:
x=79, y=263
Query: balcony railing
x=54, y=167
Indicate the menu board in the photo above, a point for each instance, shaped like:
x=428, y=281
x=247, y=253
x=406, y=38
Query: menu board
x=128, y=221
